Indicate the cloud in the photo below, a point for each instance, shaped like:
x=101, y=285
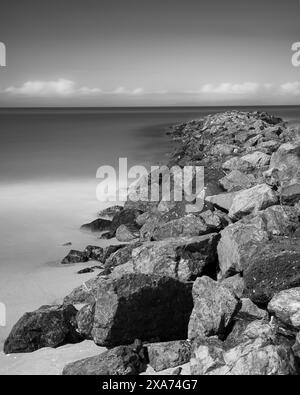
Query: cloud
x=61, y=87
x=67, y=88
x=290, y=88
x=231, y=89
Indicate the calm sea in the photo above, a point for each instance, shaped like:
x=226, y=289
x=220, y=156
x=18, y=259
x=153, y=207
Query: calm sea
x=49, y=159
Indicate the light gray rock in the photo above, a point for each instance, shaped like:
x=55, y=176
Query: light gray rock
x=286, y=307
x=223, y=200
x=235, y=284
x=184, y=258
x=256, y=353
x=236, y=181
x=169, y=354
x=237, y=163
x=257, y=159
x=252, y=200
x=214, y=309
x=249, y=311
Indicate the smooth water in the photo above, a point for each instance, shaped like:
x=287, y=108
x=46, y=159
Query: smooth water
x=49, y=159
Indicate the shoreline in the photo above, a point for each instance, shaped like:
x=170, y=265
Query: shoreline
x=163, y=228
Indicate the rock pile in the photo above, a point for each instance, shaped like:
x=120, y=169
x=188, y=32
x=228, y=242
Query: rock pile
x=218, y=289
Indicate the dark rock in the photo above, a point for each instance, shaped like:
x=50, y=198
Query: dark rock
x=273, y=267
x=86, y=270
x=141, y=306
x=85, y=293
x=94, y=253
x=120, y=361
x=110, y=211
x=49, y=326
x=99, y=225
x=75, y=257
x=169, y=354
x=108, y=251
x=125, y=217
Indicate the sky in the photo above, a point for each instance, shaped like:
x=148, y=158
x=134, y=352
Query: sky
x=149, y=53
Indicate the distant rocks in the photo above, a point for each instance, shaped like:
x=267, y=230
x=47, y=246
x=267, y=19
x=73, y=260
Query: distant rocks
x=99, y=225
x=110, y=211
x=49, y=326
x=75, y=257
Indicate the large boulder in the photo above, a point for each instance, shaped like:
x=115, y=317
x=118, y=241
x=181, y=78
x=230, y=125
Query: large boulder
x=182, y=257
x=49, y=326
x=187, y=226
x=239, y=240
x=256, y=353
x=252, y=200
x=168, y=354
x=84, y=293
x=119, y=361
x=214, y=309
x=286, y=307
x=236, y=243
x=273, y=267
x=141, y=306
x=222, y=201
x=85, y=320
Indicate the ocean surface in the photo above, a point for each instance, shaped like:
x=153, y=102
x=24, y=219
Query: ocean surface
x=49, y=159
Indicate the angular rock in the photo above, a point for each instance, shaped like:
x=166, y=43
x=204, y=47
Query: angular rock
x=121, y=256
x=235, y=284
x=94, y=253
x=222, y=201
x=187, y=226
x=75, y=256
x=252, y=200
x=169, y=354
x=120, y=361
x=223, y=149
x=125, y=217
x=274, y=267
x=85, y=293
x=108, y=251
x=110, y=211
x=85, y=320
x=237, y=163
x=125, y=234
x=214, y=309
x=249, y=311
x=296, y=347
x=237, y=243
x=257, y=159
x=49, y=326
x=286, y=307
x=141, y=306
x=182, y=257
x=254, y=355
x=99, y=225
x=236, y=181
